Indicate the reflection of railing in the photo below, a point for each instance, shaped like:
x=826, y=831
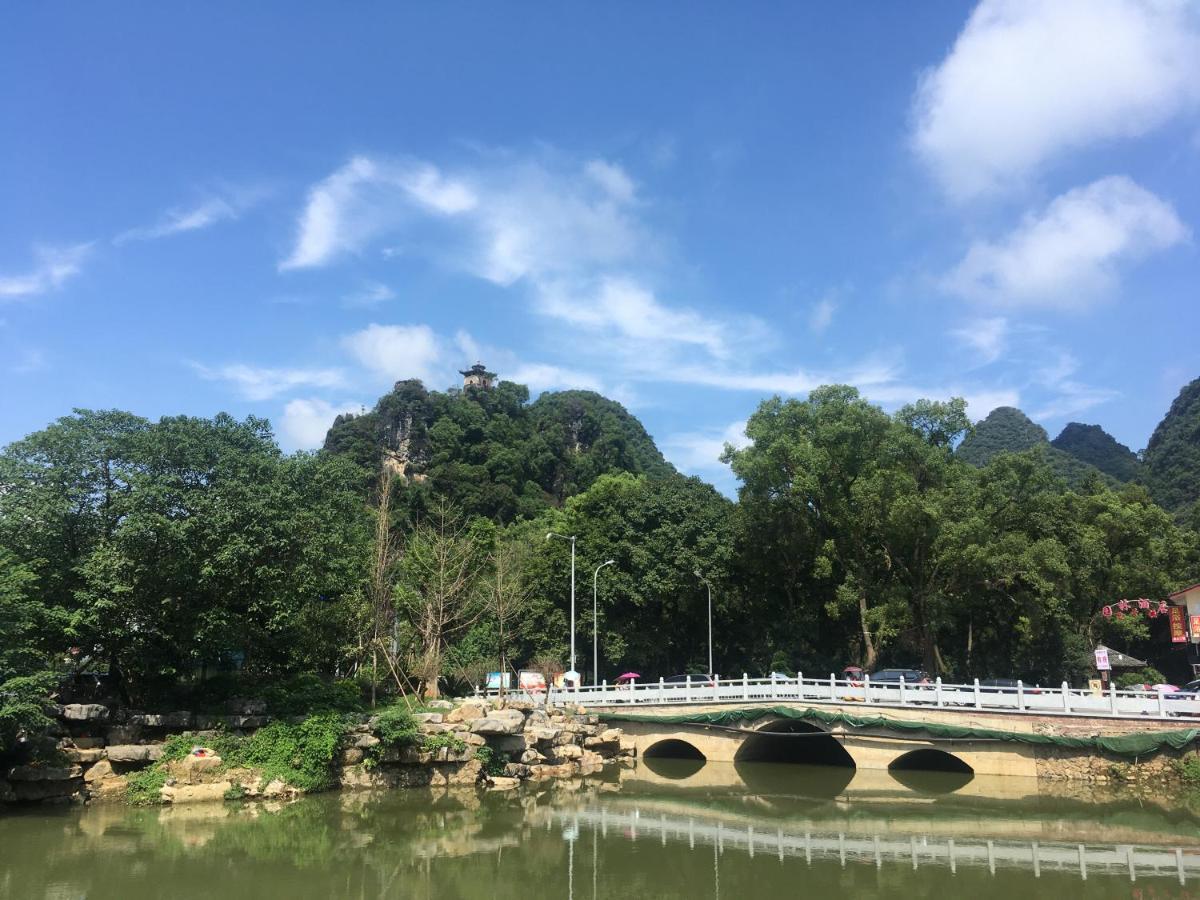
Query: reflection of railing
x=1123, y=860
x=1062, y=701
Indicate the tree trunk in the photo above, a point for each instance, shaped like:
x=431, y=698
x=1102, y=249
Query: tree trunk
x=869, y=654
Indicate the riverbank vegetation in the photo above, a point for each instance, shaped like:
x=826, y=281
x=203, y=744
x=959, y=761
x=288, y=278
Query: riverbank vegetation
x=188, y=561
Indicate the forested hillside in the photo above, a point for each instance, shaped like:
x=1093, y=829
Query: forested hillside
x=413, y=548
x=1093, y=445
x=492, y=452
x=1173, y=454
x=1008, y=430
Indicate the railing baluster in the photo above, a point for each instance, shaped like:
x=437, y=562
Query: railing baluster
x=1066, y=689
x=1112, y=699
x=901, y=690
x=1020, y=695
x=978, y=699
x=866, y=688
x=745, y=686
x=832, y=688
x=938, y=690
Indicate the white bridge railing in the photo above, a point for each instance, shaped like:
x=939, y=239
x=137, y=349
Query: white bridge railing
x=1033, y=700
x=1121, y=860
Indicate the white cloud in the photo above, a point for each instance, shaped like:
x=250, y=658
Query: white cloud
x=1069, y=254
x=398, y=352
x=700, y=451
x=545, y=377
x=821, y=315
x=372, y=293
x=1028, y=81
x=987, y=338
x=631, y=310
x=52, y=267
x=263, y=383
x=306, y=420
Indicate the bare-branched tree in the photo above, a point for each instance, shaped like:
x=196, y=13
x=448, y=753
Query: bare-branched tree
x=439, y=588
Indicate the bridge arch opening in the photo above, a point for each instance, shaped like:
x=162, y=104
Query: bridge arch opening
x=673, y=748
x=793, y=741
x=673, y=759
x=928, y=759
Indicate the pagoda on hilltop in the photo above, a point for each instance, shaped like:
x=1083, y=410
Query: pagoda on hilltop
x=477, y=377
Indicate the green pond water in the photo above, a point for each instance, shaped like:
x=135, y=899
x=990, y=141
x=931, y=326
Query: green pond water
x=665, y=829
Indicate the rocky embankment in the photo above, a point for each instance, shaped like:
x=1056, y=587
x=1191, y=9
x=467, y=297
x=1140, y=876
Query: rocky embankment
x=494, y=745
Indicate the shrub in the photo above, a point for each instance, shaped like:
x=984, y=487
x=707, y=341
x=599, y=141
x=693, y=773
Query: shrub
x=450, y=741
x=299, y=755
x=493, y=762
x=396, y=727
x=144, y=788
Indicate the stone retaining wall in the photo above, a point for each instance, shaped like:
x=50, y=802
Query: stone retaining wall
x=99, y=747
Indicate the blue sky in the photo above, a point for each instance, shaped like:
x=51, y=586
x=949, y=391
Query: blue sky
x=281, y=209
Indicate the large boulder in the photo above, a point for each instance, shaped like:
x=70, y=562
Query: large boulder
x=133, y=753
x=85, y=712
x=500, y=721
x=468, y=711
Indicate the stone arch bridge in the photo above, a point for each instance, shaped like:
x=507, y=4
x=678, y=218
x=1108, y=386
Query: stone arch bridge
x=899, y=743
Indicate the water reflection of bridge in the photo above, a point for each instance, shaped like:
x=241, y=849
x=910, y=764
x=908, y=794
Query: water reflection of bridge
x=848, y=847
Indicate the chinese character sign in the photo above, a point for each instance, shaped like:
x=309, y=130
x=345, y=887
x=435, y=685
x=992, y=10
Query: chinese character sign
x=1179, y=632
x=1195, y=629
x=1102, y=659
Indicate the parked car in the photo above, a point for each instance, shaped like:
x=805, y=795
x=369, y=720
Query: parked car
x=893, y=676
x=697, y=680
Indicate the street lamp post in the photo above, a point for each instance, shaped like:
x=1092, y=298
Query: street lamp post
x=570, y=538
x=708, y=584
x=596, y=622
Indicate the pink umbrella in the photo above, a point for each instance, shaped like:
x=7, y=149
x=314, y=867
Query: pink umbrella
x=1166, y=688
x=628, y=676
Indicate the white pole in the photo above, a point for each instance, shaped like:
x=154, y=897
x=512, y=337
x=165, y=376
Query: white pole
x=596, y=621
x=572, y=603
x=708, y=584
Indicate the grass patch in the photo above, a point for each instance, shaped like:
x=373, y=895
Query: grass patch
x=431, y=743
x=493, y=762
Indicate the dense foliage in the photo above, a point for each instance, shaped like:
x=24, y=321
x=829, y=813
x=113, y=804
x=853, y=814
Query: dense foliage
x=491, y=452
x=190, y=561
x=1173, y=454
x=1095, y=446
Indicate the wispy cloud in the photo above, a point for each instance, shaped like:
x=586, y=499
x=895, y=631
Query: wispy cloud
x=699, y=452
x=820, y=317
x=366, y=198
x=263, y=383
x=1028, y=82
x=986, y=338
x=1070, y=254
x=52, y=267
x=178, y=221
x=369, y=295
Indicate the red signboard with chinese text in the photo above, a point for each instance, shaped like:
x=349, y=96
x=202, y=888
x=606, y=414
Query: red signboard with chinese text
x=1179, y=633
x=1195, y=629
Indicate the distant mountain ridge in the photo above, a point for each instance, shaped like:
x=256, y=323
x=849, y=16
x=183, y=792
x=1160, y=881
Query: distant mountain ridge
x=1008, y=430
